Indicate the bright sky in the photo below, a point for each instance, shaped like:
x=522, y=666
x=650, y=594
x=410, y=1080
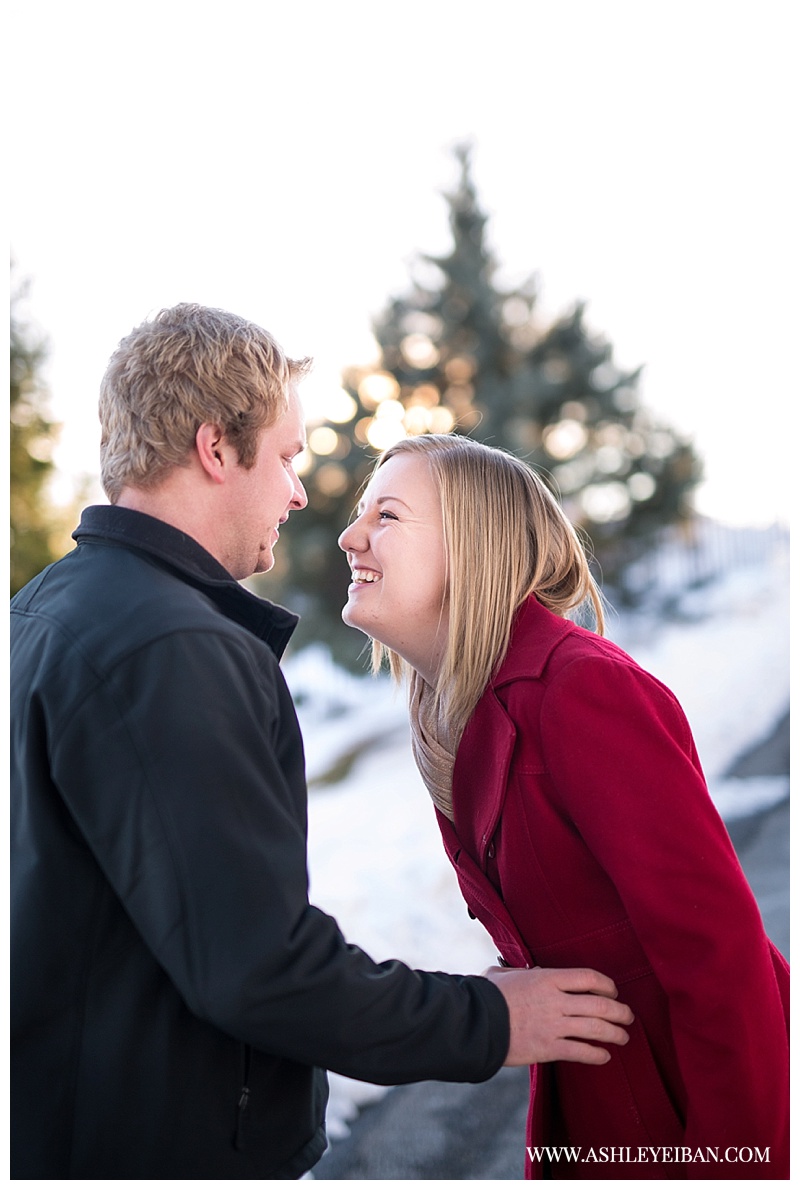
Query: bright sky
x=285, y=160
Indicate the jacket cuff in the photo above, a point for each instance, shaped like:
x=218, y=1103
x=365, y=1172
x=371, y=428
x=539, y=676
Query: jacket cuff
x=499, y=1032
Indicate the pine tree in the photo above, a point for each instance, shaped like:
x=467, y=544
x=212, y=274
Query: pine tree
x=459, y=352
x=32, y=435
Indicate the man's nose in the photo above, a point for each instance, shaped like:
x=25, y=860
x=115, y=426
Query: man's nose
x=300, y=497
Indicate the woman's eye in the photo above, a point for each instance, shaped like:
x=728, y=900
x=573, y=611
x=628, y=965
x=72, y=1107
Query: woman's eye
x=386, y=516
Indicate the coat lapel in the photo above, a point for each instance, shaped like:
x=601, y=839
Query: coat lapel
x=484, y=755
x=480, y=775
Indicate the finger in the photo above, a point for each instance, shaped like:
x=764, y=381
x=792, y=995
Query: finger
x=589, y=1029
x=569, y=1050
x=597, y=1006
x=581, y=979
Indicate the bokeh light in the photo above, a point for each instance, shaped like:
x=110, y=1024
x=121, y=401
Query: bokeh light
x=323, y=440
x=332, y=480
x=442, y=420
x=641, y=486
x=565, y=438
x=383, y=432
x=377, y=387
x=604, y=502
x=340, y=407
x=419, y=351
x=417, y=419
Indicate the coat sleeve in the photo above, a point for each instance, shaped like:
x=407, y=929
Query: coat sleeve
x=621, y=757
x=186, y=781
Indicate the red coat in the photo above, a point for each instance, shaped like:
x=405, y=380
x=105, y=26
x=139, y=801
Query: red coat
x=585, y=836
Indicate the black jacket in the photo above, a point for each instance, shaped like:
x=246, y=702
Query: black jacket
x=174, y=995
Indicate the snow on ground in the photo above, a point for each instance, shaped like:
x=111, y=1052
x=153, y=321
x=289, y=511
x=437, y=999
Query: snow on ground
x=375, y=857
x=727, y=661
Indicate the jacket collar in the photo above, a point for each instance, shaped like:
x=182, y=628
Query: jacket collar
x=183, y=555
x=480, y=776
x=535, y=633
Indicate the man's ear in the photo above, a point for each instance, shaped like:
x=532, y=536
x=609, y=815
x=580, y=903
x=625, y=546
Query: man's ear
x=211, y=451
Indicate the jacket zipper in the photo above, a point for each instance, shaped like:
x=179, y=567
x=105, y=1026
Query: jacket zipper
x=244, y=1099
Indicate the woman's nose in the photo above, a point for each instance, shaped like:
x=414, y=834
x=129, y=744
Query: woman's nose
x=348, y=540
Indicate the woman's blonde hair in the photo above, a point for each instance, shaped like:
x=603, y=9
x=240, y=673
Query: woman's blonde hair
x=188, y=365
x=506, y=538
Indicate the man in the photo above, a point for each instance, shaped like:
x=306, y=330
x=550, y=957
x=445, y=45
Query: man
x=175, y=997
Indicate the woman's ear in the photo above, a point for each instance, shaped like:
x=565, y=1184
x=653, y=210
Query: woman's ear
x=211, y=452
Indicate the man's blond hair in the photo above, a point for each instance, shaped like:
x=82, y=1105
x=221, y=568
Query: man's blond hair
x=188, y=365
x=506, y=538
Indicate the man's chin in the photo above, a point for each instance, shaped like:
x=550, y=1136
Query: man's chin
x=266, y=561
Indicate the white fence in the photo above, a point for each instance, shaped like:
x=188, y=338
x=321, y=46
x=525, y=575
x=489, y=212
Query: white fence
x=696, y=554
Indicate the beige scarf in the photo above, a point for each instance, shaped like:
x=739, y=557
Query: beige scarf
x=432, y=743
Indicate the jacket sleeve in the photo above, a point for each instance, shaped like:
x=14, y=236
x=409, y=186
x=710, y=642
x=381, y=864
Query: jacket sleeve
x=621, y=757
x=183, y=779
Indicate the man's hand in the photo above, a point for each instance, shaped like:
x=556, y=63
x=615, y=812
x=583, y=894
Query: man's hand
x=560, y=1015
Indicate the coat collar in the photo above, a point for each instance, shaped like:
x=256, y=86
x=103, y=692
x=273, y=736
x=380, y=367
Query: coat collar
x=534, y=634
x=193, y=564
x=480, y=776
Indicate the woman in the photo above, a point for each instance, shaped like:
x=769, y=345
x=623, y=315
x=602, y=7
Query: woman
x=573, y=807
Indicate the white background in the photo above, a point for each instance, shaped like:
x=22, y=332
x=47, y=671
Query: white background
x=286, y=161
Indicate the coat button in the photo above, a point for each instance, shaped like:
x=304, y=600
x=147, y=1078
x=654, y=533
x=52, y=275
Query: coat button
x=490, y=852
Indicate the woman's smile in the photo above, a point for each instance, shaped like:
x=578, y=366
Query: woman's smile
x=364, y=578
